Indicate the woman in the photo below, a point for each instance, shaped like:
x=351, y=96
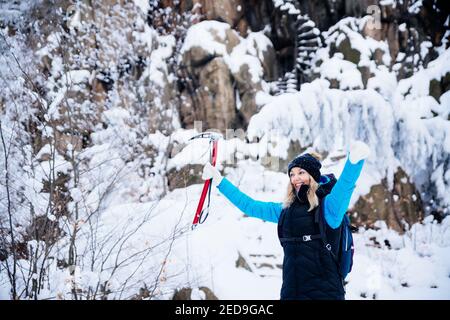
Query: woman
x=309, y=270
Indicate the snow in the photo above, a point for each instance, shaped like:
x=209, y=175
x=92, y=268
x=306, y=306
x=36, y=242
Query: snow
x=415, y=7
x=428, y=134
x=17, y=12
x=202, y=35
x=76, y=194
x=300, y=117
x=443, y=108
x=424, y=48
x=211, y=36
x=144, y=5
x=416, y=266
x=418, y=84
x=158, y=68
x=350, y=28
x=344, y=71
x=358, y=151
x=238, y=57
x=286, y=6
x=146, y=36
x=75, y=20
x=384, y=82
x=132, y=232
x=401, y=272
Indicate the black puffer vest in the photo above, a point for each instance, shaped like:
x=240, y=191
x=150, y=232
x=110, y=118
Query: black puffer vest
x=309, y=270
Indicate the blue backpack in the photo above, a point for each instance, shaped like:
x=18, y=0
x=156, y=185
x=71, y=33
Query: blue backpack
x=347, y=249
x=340, y=245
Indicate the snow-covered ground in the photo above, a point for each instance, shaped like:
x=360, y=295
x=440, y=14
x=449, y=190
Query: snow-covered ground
x=127, y=239
x=387, y=265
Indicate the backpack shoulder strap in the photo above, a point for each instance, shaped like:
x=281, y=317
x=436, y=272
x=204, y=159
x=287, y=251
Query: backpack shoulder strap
x=281, y=222
x=319, y=218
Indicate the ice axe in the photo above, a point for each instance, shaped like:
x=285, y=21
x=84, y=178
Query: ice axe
x=201, y=214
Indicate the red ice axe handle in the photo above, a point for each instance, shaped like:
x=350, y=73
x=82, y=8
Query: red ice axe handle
x=206, y=186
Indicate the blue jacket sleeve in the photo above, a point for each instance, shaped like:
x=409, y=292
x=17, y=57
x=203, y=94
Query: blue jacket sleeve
x=337, y=201
x=268, y=211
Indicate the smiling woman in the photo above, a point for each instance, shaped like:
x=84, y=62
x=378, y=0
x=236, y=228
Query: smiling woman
x=305, y=184
x=310, y=270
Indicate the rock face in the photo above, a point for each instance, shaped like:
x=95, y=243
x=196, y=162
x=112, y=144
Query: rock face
x=246, y=89
x=185, y=294
x=230, y=11
x=254, y=16
x=210, y=97
x=186, y=176
x=438, y=87
x=399, y=207
x=217, y=94
x=293, y=151
x=216, y=91
x=208, y=88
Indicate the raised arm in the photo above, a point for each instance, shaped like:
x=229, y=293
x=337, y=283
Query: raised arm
x=268, y=211
x=336, y=203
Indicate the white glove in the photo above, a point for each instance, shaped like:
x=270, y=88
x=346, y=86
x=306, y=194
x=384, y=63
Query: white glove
x=211, y=172
x=358, y=151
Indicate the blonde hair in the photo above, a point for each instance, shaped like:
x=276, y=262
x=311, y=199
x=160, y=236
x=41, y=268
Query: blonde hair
x=311, y=194
x=316, y=155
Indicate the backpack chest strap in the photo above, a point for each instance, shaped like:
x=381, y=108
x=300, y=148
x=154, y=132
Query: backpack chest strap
x=304, y=238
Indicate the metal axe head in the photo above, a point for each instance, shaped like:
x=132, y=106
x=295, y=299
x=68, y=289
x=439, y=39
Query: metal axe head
x=208, y=135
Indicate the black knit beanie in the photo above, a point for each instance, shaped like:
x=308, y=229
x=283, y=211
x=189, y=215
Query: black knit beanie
x=308, y=163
